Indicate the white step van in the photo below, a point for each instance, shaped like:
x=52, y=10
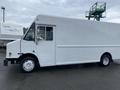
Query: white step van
x=52, y=41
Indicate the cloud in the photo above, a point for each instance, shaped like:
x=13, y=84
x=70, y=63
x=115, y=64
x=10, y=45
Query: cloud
x=24, y=12
x=113, y=14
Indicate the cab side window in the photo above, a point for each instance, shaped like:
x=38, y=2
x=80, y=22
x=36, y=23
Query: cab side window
x=49, y=33
x=41, y=32
x=45, y=33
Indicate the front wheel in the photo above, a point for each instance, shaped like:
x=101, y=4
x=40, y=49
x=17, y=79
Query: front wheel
x=27, y=64
x=105, y=60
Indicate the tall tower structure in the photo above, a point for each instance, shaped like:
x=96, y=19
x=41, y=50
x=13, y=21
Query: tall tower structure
x=96, y=11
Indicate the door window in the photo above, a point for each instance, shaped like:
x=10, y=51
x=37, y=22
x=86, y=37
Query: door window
x=46, y=33
x=49, y=33
x=41, y=32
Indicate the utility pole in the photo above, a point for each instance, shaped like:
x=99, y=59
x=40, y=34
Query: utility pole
x=3, y=8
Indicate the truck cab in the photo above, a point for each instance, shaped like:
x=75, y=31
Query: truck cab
x=36, y=48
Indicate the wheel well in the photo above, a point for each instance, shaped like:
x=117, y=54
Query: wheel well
x=29, y=55
x=107, y=53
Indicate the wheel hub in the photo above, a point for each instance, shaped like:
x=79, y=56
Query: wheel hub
x=106, y=61
x=28, y=65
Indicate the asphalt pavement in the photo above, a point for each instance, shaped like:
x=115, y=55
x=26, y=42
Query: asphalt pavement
x=72, y=77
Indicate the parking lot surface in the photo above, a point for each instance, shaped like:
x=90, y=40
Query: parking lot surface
x=72, y=77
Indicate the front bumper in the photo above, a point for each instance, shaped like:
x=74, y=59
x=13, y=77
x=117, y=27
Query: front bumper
x=12, y=60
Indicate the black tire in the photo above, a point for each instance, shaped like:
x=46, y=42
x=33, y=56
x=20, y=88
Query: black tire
x=27, y=64
x=105, y=60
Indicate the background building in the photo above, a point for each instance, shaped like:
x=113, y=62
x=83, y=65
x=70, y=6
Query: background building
x=9, y=32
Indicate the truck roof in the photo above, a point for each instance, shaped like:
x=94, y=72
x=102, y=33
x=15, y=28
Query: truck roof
x=38, y=18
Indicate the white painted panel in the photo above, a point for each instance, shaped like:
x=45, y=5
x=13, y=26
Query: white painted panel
x=83, y=54
x=14, y=49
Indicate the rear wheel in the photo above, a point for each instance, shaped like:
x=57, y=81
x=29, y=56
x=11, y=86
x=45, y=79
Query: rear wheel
x=105, y=60
x=27, y=64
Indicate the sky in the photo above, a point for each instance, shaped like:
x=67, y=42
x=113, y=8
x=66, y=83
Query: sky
x=23, y=12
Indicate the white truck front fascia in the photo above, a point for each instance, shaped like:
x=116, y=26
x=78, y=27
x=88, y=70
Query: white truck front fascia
x=13, y=49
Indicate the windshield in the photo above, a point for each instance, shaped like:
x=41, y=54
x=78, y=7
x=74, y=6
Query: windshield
x=30, y=35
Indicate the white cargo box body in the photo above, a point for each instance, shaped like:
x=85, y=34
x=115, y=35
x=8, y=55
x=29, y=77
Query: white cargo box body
x=82, y=41
x=10, y=31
